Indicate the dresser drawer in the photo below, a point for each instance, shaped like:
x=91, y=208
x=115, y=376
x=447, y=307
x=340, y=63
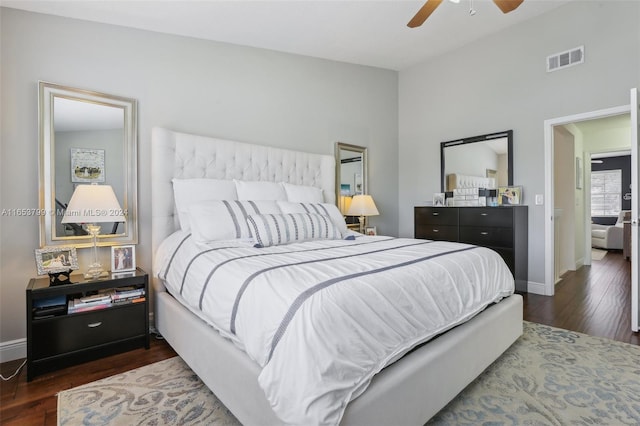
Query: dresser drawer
x=437, y=232
x=435, y=216
x=487, y=236
x=84, y=330
x=491, y=216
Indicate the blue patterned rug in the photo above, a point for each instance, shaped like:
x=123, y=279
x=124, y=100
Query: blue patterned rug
x=549, y=376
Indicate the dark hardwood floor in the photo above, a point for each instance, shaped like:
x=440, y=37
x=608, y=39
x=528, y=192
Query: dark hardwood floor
x=594, y=300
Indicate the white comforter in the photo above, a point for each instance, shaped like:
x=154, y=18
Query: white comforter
x=322, y=318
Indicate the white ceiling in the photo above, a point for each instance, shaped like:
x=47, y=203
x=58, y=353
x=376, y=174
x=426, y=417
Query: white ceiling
x=371, y=32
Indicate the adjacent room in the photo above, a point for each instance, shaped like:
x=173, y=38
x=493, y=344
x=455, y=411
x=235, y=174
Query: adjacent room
x=312, y=212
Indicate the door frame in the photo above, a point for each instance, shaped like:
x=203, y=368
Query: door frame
x=549, y=280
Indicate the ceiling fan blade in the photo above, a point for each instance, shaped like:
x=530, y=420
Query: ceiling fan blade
x=507, y=6
x=424, y=13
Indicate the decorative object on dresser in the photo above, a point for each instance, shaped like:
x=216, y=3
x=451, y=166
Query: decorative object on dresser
x=123, y=258
x=503, y=229
x=90, y=205
x=58, y=262
x=362, y=206
x=509, y=195
x=73, y=323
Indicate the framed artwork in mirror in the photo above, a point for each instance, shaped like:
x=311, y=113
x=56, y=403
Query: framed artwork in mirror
x=87, y=165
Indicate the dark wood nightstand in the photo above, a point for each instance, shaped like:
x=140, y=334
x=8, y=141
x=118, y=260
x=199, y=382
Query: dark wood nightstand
x=57, y=338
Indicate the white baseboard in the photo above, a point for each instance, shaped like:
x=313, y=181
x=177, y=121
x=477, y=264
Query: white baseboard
x=14, y=349
x=536, y=288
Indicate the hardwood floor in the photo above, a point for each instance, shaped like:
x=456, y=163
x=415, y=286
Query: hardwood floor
x=594, y=300
x=35, y=402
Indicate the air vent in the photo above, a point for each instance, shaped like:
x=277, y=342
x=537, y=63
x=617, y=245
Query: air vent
x=565, y=59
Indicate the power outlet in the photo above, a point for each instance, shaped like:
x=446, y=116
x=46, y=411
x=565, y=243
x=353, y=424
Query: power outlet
x=539, y=199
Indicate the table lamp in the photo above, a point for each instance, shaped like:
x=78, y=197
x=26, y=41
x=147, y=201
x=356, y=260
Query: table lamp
x=361, y=206
x=90, y=205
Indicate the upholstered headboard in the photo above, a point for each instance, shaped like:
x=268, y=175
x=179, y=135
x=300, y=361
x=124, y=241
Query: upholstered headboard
x=458, y=181
x=181, y=155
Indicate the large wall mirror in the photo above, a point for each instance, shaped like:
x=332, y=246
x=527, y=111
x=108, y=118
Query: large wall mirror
x=86, y=137
x=487, y=156
x=351, y=177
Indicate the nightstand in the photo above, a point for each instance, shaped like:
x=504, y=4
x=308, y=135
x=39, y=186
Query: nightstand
x=58, y=337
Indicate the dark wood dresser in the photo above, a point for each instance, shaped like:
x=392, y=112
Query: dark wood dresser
x=503, y=229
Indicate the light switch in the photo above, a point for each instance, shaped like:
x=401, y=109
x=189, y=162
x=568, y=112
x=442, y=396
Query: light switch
x=539, y=199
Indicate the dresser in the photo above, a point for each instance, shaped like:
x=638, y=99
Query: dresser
x=502, y=229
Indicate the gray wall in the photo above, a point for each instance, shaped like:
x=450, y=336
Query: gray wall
x=184, y=84
x=500, y=82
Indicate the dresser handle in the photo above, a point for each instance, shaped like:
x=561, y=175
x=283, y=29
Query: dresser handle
x=435, y=214
x=436, y=230
x=484, y=214
x=484, y=233
x=94, y=324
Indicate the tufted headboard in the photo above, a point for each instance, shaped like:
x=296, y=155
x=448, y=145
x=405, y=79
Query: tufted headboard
x=181, y=155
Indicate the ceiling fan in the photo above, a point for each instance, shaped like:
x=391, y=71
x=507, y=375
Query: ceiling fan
x=505, y=6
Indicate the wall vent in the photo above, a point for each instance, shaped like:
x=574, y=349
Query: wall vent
x=565, y=59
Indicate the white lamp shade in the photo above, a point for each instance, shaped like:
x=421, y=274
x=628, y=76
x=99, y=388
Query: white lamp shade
x=93, y=204
x=362, y=205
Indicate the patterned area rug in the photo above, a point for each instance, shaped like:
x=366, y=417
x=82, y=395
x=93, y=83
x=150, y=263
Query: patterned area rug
x=597, y=254
x=549, y=376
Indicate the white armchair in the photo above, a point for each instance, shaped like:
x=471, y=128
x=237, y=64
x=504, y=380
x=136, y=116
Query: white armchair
x=609, y=236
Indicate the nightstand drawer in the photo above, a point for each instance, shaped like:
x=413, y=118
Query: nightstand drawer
x=487, y=236
x=436, y=216
x=490, y=216
x=436, y=232
x=85, y=330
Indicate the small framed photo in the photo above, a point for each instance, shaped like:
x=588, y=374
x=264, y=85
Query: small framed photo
x=370, y=230
x=51, y=260
x=509, y=195
x=438, y=199
x=123, y=258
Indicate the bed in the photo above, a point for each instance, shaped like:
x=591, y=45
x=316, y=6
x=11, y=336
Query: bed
x=408, y=388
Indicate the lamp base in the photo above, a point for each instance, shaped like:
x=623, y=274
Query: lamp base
x=95, y=271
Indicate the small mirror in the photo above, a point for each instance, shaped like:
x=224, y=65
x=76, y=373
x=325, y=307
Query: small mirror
x=486, y=156
x=86, y=137
x=351, y=177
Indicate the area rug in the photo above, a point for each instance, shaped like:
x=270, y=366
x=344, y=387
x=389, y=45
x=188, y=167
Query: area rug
x=597, y=254
x=549, y=376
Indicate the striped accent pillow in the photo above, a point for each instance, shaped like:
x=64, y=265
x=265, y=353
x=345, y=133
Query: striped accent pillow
x=225, y=220
x=276, y=229
x=326, y=209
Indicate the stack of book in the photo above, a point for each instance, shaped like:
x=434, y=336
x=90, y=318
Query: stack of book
x=124, y=295
x=89, y=303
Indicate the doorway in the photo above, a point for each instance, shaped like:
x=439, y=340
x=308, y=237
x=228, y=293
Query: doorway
x=580, y=197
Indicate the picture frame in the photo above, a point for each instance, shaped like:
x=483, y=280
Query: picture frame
x=87, y=165
x=438, y=199
x=370, y=230
x=509, y=195
x=123, y=258
x=53, y=260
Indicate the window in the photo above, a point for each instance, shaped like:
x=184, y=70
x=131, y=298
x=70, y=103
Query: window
x=606, y=189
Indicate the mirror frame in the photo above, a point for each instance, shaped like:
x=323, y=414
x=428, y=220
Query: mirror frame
x=482, y=138
x=339, y=146
x=47, y=92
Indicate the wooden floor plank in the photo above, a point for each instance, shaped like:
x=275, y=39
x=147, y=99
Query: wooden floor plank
x=593, y=300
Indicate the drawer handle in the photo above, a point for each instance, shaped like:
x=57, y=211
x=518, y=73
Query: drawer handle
x=94, y=324
x=435, y=214
x=484, y=214
x=484, y=233
x=436, y=230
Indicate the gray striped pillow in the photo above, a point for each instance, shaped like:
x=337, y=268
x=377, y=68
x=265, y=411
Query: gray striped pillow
x=275, y=229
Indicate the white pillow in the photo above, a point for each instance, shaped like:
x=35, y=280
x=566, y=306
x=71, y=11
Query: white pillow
x=327, y=209
x=189, y=191
x=225, y=220
x=276, y=229
x=303, y=194
x=260, y=190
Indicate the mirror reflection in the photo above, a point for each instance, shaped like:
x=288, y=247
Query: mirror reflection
x=351, y=177
x=488, y=157
x=86, y=138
